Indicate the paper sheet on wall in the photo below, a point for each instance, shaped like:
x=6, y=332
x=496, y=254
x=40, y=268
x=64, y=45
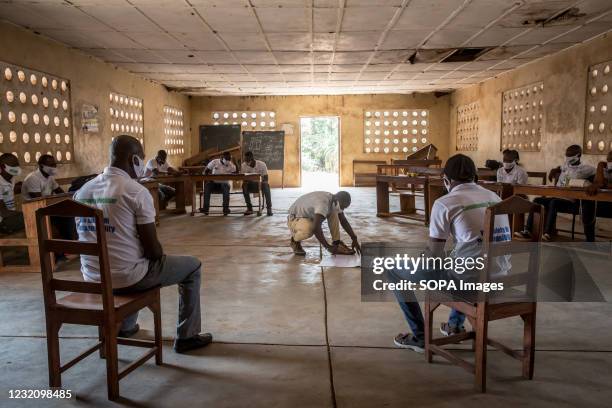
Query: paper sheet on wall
x=341, y=261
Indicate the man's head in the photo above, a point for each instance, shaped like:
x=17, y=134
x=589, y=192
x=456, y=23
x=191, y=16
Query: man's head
x=510, y=159
x=572, y=155
x=227, y=157
x=9, y=166
x=343, y=198
x=161, y=157
x=459, y=169
x=126, y=153
x=47, y=165
x=249, y=158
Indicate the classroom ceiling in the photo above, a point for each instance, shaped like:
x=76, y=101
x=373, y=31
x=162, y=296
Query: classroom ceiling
x=285, y=47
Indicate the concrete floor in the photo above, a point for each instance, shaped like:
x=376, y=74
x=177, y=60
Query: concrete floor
x=290, y=333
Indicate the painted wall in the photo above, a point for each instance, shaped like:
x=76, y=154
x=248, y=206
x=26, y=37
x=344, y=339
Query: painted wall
x=565, y=80
x=350, y=109
x=91, y=81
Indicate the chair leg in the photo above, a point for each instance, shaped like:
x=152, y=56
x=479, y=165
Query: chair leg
x=573, y=225
x=428, y=329
x=112, y=364
x=102, y=351
x=53, y=354
x=156, y=309
x=480, y=365
x=528, y=344
x=473, y=324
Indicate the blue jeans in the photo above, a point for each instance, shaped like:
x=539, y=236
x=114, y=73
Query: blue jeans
x=411, y=308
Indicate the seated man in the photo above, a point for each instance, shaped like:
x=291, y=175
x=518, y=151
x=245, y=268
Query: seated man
x=511, y=172
x=159, y=165
x=306, y=216
x=573, y=169
x=593, y=209
x=136, y=257
x=250, y=165
x=41, y=183
x=459, y=215
x=11, y=221
x=224, y=165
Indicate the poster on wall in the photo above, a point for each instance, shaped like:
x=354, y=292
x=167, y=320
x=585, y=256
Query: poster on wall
x=90, y=123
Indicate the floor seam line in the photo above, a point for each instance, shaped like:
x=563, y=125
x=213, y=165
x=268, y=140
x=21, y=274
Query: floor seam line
x=329, y=357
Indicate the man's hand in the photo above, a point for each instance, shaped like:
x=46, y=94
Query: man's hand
x=591, y=189
x=554, y=174
x=355, y=246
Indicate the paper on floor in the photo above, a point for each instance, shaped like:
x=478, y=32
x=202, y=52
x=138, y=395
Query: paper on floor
x=341, y=261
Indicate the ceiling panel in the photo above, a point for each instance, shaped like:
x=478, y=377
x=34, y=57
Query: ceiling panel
x=240, y=47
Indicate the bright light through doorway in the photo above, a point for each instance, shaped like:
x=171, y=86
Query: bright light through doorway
x=319, y=152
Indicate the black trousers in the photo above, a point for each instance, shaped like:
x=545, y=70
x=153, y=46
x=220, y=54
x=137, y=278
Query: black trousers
x=12, y=222
x=213, y=187
x=166, y=193
x=590, y=211
x=553, y=206
x=249, y=187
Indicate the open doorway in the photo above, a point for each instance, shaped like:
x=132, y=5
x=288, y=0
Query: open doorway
x=319, y=152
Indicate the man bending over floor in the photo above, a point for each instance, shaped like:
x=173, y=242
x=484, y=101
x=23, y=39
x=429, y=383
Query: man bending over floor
x=136, y=257
x=250, y=165
x=459, y=215
x=159, y=166
x=306, y=216
x=11, y=220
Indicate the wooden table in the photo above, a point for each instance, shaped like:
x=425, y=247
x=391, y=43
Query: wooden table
x=181, y=185
x=407, y=200
x=569, y=193
x=201, y=178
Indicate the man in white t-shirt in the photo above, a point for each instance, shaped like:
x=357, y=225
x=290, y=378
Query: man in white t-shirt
x=159, y=166
x=224, y=165
x=306, y=217
x=250, y=165
x=41, y=183
x=459, y=215
x=572, y=169
x=511, y=172
x=136, y=257
x=11, y=221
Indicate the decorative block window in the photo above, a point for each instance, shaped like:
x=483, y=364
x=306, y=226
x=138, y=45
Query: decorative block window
x=523, y=118
x=598, y=117
x=467, y=127
x=395, y=130
x=248, y=120
x=35, y=115
x=173, y=131
x=126, y=113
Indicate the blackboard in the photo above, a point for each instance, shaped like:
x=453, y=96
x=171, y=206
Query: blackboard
x=220, y=137
x=267, y=146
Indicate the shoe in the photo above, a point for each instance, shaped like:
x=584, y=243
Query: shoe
x=546, y=237
x=408, y=341
x=192, y=343
x=448, y=330
x=203, y=212
x=297, y=248
x=341, y=249
x=248, y=211
x=269, y=214
x=226, y=212
x=129, y=332
x=523, y=235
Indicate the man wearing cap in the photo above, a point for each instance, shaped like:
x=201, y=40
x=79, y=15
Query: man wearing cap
x=306, y=217
x=459, y=215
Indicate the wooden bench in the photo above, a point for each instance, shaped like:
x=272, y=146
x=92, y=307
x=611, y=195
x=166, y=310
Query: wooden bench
x=365, y=179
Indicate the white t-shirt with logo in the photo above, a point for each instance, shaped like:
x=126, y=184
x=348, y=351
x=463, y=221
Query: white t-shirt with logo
x=460, y=214
x=7, y=194
x=126, y=204
x=580, y=172
x=517, y=175
x=154, y=165
x=259, y=168
x=36, y=182
x=216, y=166
x=317, y=202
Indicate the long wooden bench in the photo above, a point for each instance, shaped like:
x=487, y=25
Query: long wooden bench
x=365, y=179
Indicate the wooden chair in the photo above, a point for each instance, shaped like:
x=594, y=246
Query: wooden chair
x=91, y=304
x=482, y=311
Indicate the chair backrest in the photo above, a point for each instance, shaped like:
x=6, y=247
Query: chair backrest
x=514, y=206
x=47, y=246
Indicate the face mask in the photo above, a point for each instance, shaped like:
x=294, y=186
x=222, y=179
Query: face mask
x=447, y=184
x=13, y=171
x=51, y=171
x=572, y=160
x=138, y=165
x=509, y=166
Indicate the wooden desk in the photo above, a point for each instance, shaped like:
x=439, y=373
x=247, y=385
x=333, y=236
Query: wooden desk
x=570, y=193
x=407, y=207
x=365, y=179
x=181, y=185
x=153, y=187
x=29, y=208
x=201, y=178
